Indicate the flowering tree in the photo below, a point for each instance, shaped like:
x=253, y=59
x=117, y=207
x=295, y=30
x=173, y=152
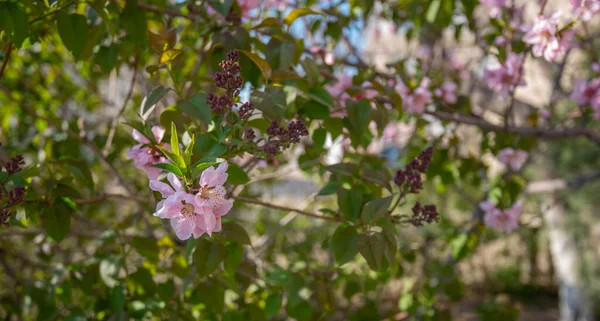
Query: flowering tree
x=118, y=115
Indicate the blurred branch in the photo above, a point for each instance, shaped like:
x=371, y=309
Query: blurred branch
x=109, y=196
x=283, y=208
x=523, y=131
x=5, y=59
x=553, y=185
x=115, y=121
x=168, y=12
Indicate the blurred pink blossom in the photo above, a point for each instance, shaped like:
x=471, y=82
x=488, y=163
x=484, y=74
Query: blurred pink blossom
x=447, y=92
x=415, y=101
x=584, y=92
x=544, y=37
x=506, y=220
x=144, y=157
x=247, y=6
x=338, y=92
x=496, y=7
x=586, y=9
x=502, y=77
x=514, y=159
x=500, y=41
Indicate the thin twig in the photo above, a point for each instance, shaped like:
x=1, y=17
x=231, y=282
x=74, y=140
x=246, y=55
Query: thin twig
x=6, y=57
x=287, y=209
x=115, y=121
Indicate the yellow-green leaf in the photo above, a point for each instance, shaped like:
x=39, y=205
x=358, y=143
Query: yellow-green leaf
x=297, y=13
x=262, y=64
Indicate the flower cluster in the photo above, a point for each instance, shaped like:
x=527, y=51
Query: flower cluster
x=545, y=38
x=495, y=7
x=447, y=92
x=424, y=214
x=339, y=92
x=588, y=94
x=513, y=159
x=503, y=77
x=586, y=9
x=144, y=155
x=280, y=138
x=506, y=220
x=14, y=195
x=414, y=101
x=198, y=211
x=410, y=178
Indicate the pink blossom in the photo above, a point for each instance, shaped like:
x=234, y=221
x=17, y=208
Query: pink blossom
x=583, y=92
x=544, y=37
x=506, y=220
x=328, y=58
x=338, y=92
x=197, y=214
x=447, y=92
x=545, y=113
x=247, y=6
x=186, y=216
x=502, y=77
x=144, y=157
x=211, y=196
x=415, y=101
x=514, y=159
x=596, y=67
x=585, y=9
x=500, y=41
x=496, y=7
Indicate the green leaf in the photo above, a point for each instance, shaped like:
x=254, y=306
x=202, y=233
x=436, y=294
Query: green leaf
x=201, y=165
x=297, y=13
x=262, y=64
x=221, y=6
x=268, y=23
x=176, y=159
x=117, y=298
x=57, y=220
x=359, y=116
x=217, y=150
x=371, y=247
x=237, y=176
x=169, y=168
x=134, y=22
x=271, y=102
x=432, y=11
x=349, y=202
x=345, y=169
x=319, y=136
x=73, y=31
x=344, y=244
x=233, y=257
x=375, y=209
x=208, y=256
x=312, y=72
x=196, y=107
x=174, y=140
x=322, y=96
x=272, y=305
x=14, y=22
x=235, y=232
x=153, y=97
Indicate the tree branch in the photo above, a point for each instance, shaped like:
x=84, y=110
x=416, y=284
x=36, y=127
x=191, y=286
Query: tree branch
x=5, y=59
x=283, y=208
x=553, y=185
x=523, y=131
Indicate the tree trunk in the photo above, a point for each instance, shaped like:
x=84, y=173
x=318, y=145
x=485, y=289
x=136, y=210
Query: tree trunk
x=574, y=302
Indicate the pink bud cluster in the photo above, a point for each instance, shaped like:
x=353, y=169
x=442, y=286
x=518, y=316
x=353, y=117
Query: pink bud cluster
x=424, y=214
x=410, y=179
x=144, y=155
x=280, y=138
x=506, y=220
x=14, y=195
x=198, y=211
x=587, y=93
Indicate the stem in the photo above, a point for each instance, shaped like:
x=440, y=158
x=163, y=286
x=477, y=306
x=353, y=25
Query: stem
x=283, y=208
x=6, y=57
